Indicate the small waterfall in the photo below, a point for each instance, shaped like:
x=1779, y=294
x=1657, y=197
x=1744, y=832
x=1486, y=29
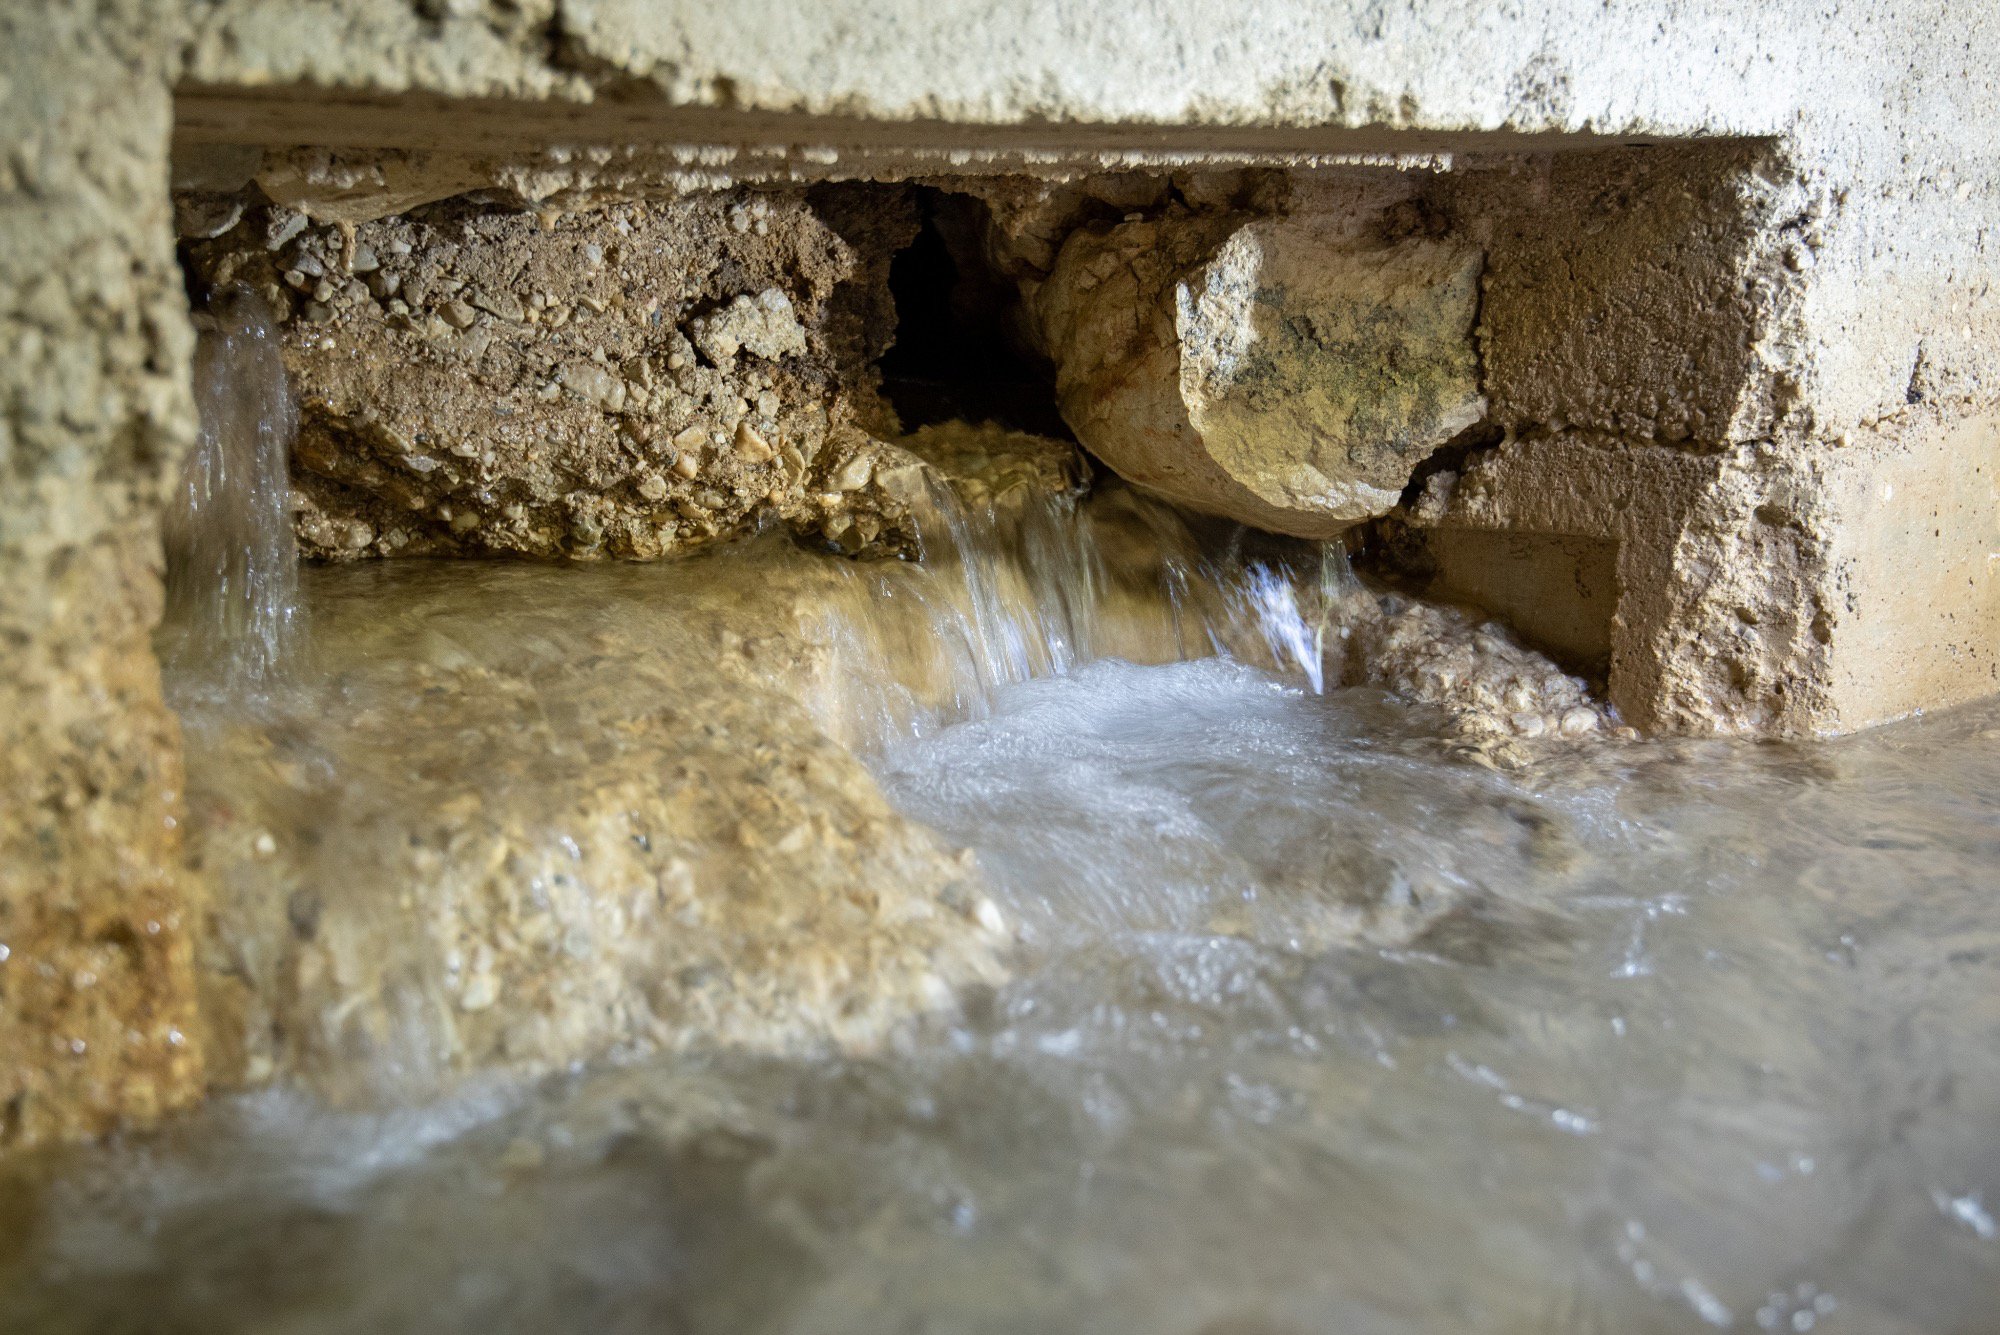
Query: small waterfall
x=1040, y=585
x=1293, y=612
x=1037, y=585
x=232, y=610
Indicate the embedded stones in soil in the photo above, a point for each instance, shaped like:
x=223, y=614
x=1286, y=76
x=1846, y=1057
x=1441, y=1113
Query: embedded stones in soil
x=628, y=382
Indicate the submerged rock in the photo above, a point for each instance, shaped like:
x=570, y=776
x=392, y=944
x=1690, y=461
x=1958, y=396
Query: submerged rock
x=508, y=818
x=523, y=824
x=990, y=464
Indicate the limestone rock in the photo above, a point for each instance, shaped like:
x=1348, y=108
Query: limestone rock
x=764, y=327
x=601, y=831
x=1285, y=372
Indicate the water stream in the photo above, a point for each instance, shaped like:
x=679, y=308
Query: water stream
x=1106, y=925
x=232, y=559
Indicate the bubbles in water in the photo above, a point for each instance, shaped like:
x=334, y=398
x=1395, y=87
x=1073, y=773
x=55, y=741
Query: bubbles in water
x=1309, y=1025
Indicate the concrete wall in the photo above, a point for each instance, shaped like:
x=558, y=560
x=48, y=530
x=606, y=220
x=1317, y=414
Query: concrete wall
x=96, y=991
x=1818, y=273
x=1884, y=110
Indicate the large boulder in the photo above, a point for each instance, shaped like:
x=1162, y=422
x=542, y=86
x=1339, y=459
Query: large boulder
x=1287, y=372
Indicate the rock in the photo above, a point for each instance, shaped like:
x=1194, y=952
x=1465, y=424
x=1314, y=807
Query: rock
x=752, y=447
x=987, y=462
x=1288, y=372
x=205, y=216
x=719, y=872
x=595, y=385
x=765, y=326
x=854, y=474
x=501, y=303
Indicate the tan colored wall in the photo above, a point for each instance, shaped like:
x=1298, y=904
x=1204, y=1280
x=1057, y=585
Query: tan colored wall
x=1760, y=591
x=96, y=983
x=1915, y=556
x=1559, y=590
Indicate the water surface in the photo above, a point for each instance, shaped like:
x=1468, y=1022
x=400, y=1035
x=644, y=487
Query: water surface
x=1312, y=1025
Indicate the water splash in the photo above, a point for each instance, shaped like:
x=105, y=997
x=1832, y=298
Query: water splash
x=232, y=611
x=1040, y=584
x=1296, y=639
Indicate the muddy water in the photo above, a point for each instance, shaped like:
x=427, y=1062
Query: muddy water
x=1063, y=935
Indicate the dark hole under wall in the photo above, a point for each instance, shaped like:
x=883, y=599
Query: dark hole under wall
x=956, y=355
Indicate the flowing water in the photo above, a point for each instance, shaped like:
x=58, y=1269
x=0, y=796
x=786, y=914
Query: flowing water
x=232, y=559
x=1283, y=1003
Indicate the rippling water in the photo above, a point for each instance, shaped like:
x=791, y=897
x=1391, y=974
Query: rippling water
x=1312, y=1027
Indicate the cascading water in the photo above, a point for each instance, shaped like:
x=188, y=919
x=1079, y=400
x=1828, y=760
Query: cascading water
x=1038, y=585
x=1167, y=969
x=232, y=558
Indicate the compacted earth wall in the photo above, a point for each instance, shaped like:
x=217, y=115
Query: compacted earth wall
x=1661, y=331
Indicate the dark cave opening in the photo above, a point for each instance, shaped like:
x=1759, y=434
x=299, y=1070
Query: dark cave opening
x=958, y=353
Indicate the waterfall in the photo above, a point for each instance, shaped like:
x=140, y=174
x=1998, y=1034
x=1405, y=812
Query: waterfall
x=1039, y=585
x=232, y=610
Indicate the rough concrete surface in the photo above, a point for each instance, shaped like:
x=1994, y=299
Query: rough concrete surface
x=97, y=1020
x=1876, y=104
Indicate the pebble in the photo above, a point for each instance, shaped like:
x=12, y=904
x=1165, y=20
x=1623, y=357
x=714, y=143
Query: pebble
x=503, y=303
x=854, y=474
x=283, y=231
x=987, y=914
x=750, y=445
